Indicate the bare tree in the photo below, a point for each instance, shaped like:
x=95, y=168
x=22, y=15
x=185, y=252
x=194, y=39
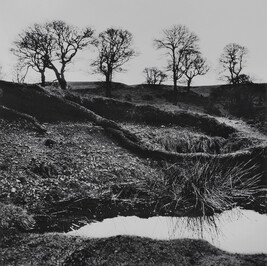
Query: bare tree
x=114, y=50
x=20, y=72
x=33, y=49
x=193, y=65
x=233, y=60
x=154, y=76
x=68, y=40
x=176, y=40
x=52, y=45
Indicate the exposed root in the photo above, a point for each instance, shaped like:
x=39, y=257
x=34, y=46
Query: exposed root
x=5, y=111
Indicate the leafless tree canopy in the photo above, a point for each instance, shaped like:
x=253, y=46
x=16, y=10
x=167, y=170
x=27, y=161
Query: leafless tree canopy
x=68, y=40
x=52, y=45
x=33, y=48
x=114, y=50
x=177, y=41
x=154, y=76
x=232, y=62
x=20, y=71
x=193, y=64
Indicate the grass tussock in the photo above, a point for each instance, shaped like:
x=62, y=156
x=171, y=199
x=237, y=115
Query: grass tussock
x=188, y=142
x=177, y=139
x=207, y=187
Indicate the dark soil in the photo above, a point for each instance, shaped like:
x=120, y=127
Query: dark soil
x=73, y=160
x=58, y=249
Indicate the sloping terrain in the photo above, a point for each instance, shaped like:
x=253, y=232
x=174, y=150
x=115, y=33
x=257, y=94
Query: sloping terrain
x=70, y=157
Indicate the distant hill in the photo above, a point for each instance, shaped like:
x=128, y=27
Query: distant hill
x=200, y=90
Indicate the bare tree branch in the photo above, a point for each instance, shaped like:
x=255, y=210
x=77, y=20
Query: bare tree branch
x=154, y=75
x=176, y=41
x=193, y=65
x=52, y=45
x=233, y=60
x=114, y=50
x=32, y=48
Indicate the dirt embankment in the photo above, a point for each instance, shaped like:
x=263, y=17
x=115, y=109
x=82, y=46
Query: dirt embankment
x=126, y=111
x=49, y=108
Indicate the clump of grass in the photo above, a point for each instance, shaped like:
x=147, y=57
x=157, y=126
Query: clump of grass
x=207, y=187
x=187, y=142
x=14, y=219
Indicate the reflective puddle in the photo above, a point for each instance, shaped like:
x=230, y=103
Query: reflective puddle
x=241, y=231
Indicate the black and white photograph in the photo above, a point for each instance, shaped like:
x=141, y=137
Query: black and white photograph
x=133, y=132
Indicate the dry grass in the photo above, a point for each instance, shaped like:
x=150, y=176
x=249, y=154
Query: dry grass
x=188, y=142
x=177, y=139
x=207, y=187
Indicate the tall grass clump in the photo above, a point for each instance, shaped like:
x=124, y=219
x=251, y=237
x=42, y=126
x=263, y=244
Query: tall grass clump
x=208, y=187
x=187, y=142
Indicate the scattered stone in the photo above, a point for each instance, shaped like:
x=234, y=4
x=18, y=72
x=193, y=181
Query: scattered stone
x=49, y=143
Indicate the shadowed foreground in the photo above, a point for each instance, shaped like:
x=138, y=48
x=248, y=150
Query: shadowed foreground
x=119, y=250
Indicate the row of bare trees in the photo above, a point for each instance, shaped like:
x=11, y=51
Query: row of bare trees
x=184, y=57
x=185, y=60
x=52, y=46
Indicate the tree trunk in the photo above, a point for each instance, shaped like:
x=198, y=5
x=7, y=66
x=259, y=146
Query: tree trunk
x=175, y=83
x=62, y=82
x=189, y=84
x=175, y=89
x=42, y=78
x=108, y=85
x=174, y=77
x=174, y=74
x=60, y=78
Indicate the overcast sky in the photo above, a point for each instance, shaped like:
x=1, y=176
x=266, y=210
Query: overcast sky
x=216, y=22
